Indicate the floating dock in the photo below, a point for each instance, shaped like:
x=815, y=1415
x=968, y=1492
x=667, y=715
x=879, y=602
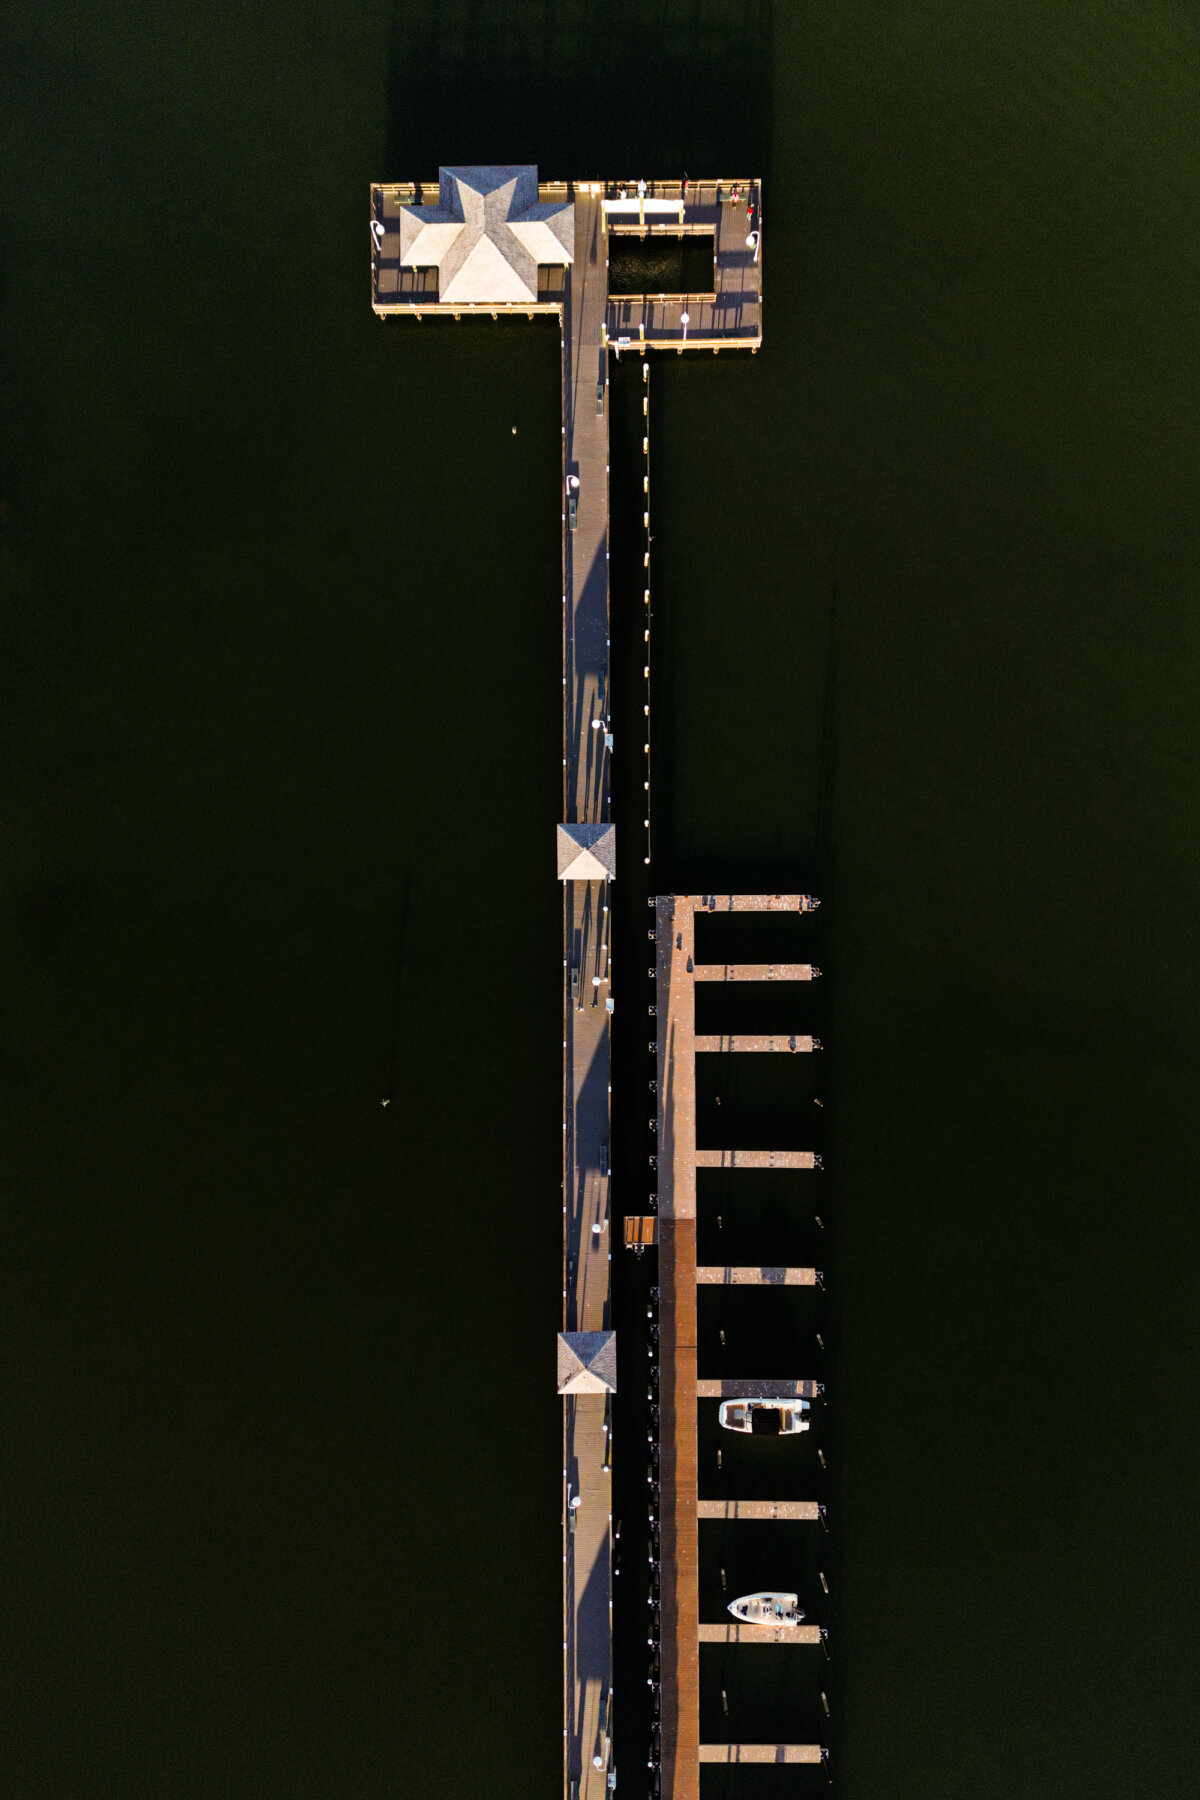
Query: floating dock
x=680, y=1384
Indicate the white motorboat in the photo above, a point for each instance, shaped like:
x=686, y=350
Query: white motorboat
x=770, y=1608
x=764, y=1418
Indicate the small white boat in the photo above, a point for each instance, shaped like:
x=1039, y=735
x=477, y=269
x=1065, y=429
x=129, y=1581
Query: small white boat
x=768, y=1608
x=764, y=1418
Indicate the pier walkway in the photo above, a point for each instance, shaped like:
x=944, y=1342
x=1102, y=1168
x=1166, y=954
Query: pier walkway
x=587, y=1567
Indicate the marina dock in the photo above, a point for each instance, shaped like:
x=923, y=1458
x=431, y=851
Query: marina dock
x=681, y=1387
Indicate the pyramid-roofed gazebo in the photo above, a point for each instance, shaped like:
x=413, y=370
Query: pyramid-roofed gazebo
x=587, y=852
x=487, y=235
x=587, y=1362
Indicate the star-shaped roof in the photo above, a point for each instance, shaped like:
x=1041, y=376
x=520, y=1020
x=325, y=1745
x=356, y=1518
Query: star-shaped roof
x=487, y=235
x=587, y=852
x=587, y=1362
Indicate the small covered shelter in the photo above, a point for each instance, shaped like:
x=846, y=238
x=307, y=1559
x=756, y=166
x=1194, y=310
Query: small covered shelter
x=587, y=1362
x=488, y=235
x=587, y=852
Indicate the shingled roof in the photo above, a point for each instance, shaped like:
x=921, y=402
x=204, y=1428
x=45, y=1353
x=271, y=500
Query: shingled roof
x=487, y=234
x=587, y=1362
x=587, y=852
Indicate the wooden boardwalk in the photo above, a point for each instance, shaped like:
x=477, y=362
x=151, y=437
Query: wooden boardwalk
x=587, y=1566
x=761, y=1753
x=755, y=1275
x=732, y=1387
x=755, y=1159
x=733, y=1631
x=786, y=1511
x=755, y=1046
x=756, y=903
x=754, y=972
x=680, y=1387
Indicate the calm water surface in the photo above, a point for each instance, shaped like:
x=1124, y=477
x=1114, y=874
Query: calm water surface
x=279, y=696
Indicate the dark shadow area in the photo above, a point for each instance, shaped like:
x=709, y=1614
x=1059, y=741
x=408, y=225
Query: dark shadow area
x=757, y=937
x=660, y=265
x=761, y=1215
x=767, y=1008
x=751, y=1101
x=584, y=88
x=759, y=1468
x=766, y=1783
x=754, y=1555
x=773, y=1692
x=767, y=1332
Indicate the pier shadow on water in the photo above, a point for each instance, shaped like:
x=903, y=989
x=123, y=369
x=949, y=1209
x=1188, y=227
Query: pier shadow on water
x=583, y=88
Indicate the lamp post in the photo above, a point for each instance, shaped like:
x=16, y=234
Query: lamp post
x=685, y=321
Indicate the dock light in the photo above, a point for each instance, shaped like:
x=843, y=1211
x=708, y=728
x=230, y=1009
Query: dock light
x=685, y=321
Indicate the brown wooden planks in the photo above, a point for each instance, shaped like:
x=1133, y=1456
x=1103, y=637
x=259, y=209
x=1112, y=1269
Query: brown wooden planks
x=786, y=1511
x=754, y=972
x=759, y=1046
x=678, y=1532
x=760, y=1753
x=753, y=1275
x=735, y=1632
x=755, y=1159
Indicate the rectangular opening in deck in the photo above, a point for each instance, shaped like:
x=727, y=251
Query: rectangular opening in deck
x=659, y=264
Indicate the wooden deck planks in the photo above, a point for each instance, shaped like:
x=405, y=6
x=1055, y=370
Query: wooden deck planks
x=754, y=972
x=757, y=1388
x=738, y=903
x=678, y=1531
x=735, y=1632
x=737, y=1043
x=753, y=1275
x=587, y=1572
x=755, y=1159
x=786, y=1511
x=761, y=1753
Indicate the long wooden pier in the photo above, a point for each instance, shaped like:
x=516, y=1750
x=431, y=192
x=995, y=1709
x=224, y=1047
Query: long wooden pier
x=680, y=1384
x=489, y=241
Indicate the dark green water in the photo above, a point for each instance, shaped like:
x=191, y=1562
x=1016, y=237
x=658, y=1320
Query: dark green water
x=279, y=687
